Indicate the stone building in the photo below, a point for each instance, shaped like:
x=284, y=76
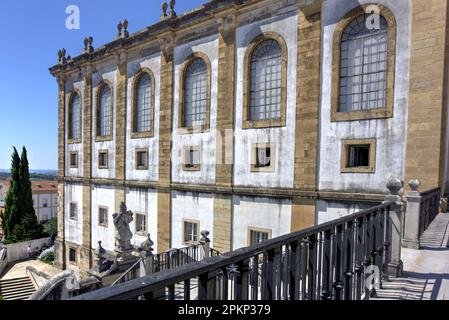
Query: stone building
x=250, y=119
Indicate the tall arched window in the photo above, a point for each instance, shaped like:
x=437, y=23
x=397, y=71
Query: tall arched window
x=143, y=104
x=74, y=118
x=105, y=112
x=195, y=94
x=265, y=82
x=363, y=66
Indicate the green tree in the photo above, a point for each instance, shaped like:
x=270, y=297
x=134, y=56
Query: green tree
x=13, y=210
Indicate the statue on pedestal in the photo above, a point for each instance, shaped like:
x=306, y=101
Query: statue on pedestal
x=123, y=234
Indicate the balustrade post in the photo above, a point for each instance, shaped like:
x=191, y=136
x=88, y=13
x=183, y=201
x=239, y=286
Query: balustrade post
x=205, y=244
x=412, y=216
x=395, y=266
x=146, y=253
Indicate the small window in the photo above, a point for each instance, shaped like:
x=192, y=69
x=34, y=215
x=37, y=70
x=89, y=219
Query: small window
x=45, y=203
x=72, y=255
x=103, y=159
x=141, y=223
x=73, y=160
x=257, y=236
x=192, y=158
x=263, y=157
x=191, y=232
x=359, y=156
x=73, y=211
x=103, y=216
x=142, y=159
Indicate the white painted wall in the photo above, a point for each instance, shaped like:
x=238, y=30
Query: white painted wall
x=73, y=228
x=152, y=174
x=108, y=73
x=43, y=212
x=284, y=138
x=332, y=210
x=143, y=201
x=206, y=140
x=390, y=133
x=262, y=213
x=78, y=86
x=191, y=206
x=105, y=197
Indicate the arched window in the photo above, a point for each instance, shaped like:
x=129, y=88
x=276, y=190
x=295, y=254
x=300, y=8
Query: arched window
x=74, y=118
x=266, y=81
x=195, y=94
x=105, y=112
x=363, y=66
x=143, y=104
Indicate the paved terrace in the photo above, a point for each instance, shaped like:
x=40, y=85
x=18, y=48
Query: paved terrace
x=426, y=271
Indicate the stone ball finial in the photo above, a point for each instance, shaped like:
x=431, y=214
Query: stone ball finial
x=394, y=185
x=414, y=184
x=205, y=236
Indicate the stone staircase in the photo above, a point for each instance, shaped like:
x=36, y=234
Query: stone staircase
x=16, y=289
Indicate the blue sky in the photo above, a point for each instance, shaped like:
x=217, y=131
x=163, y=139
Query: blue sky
x=32, y=33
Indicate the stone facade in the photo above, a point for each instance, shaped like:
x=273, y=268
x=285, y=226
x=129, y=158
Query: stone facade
x=307, y=182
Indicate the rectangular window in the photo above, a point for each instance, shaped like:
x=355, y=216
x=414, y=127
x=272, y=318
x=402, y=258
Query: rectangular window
x=73, y=211
x=358, y=156
x=72, y=255
x=257, y=236
x=142, y=159
x=73, y=159
x=103, y=159
x=192, y=160
x=141, y=223
x=263, y=158
x=45, y=203
x=103, y=216
x=191, y=232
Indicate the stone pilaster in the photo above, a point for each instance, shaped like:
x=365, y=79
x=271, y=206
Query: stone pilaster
x=222, y=232
x=307, y=111
x=59, y=244
x=85, y=261
x=165, y=144
x=426, y=129
x=120, y=125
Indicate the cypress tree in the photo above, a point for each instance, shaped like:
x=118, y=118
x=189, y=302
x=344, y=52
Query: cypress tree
x=29, y=221
x=13, y=213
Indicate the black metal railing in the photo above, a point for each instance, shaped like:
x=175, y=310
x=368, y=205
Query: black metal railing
x=336, y=260
x=429, y=208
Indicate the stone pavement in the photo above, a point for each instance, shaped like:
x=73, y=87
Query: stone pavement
x=426, y=271
x=18, y=270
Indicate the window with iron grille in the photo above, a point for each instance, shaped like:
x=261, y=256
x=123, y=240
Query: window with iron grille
x=141, y=223
x=73, y=211
x=105, y=113
x=103, y=216
x=266, y=81
x=257, y=236
x=363, y=66
x=195, y=94
x=191, y=233
x=143, y=104
x=74, y=118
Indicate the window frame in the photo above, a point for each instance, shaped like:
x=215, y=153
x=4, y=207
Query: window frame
x=104, y=224
x=100, y=152
x=75, y=261
x=139, y=150
x=142, y=232
x=99, y=138
x=371, y=168
x=185, y=166
x=257, y=169
x=137, y=77
x=182, y=129
x=266, y=123
x=70, y=139
x=71, y=165
x=198, y=223
x=259, y=230
x=381, y=113
x=75, y=217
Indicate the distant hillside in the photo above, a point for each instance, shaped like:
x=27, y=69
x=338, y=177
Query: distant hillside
x=34, y=174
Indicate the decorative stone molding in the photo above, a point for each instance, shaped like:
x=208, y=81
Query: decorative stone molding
x=88, y=45
x=122, y=29
x=226, y=22
x=310, y=7
x=167, y=44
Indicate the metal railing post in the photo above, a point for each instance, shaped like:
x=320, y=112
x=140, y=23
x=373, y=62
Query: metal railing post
x=412, y=216
x=395, y=266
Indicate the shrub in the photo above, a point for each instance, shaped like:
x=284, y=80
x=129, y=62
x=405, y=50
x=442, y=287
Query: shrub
x=51, y=227
x=48, y=256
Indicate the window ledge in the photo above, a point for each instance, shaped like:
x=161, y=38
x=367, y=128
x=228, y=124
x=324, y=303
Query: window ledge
x=142, y=135
x=361, y=115
x=275, y=123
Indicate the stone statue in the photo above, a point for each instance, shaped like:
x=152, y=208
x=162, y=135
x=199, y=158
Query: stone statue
x=123, y=233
